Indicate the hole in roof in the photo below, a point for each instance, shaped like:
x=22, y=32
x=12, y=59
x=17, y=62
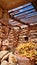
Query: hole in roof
x=25, y=11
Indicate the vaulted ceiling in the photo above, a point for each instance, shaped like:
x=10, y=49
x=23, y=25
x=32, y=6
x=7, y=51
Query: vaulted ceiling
x=8, y=4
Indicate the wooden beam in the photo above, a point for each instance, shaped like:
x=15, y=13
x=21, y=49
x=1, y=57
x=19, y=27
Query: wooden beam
x=24, y=15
